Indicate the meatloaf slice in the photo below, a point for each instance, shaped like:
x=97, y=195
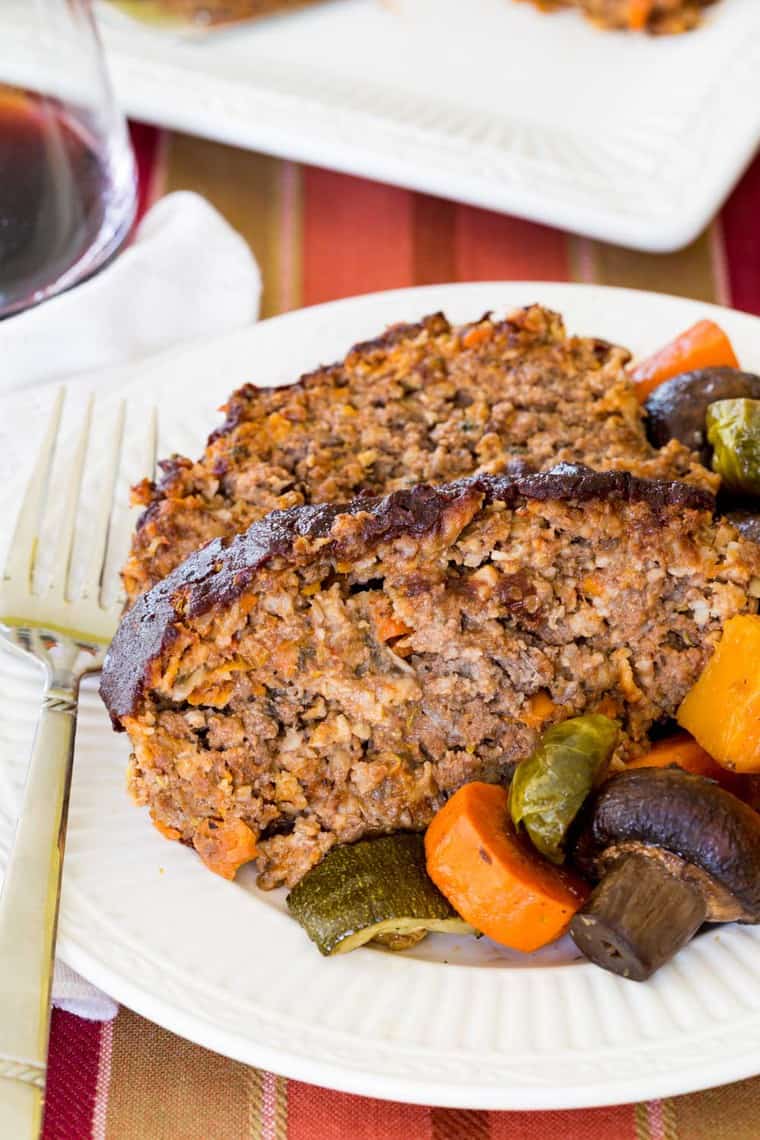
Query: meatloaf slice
x=340, y=670
x=422, y=403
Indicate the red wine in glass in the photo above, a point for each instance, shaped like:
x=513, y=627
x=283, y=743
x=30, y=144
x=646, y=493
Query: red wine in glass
x=62, y=215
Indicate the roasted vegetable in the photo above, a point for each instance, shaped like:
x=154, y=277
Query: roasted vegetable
x=639, y=12
x=672, y=850
x=377, y=889
x=746, y=521
x=682, y=751
x=733, y=430
x=492, y=877
x=223, y=845
x=548, y=789
x=722, y=710
x=677, y=408
x=704, y=345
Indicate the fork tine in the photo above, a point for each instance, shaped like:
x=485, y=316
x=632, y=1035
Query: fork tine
x=122, y=522
x=151, y=445
x=62, y=558
x=22, y=554
x=99, y=538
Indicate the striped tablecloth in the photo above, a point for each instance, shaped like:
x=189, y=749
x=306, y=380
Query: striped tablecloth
x=319, y=236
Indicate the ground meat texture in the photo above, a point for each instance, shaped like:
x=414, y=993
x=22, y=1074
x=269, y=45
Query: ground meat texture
x=660, y=17
x=338, y=671
x=422, y=403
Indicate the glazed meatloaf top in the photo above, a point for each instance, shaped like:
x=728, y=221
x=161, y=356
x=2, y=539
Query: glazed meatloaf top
x=422, y=403
x=339, y=670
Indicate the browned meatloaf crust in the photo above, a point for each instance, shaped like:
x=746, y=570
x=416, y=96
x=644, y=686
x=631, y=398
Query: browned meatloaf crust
x=663, y=17
x=339, y=670
x=422, y=403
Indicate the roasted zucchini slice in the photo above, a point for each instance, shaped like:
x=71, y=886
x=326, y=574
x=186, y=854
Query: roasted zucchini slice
x=373, y=890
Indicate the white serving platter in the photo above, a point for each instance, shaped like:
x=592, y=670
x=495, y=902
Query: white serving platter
x=457, y=1022
x=632, y=139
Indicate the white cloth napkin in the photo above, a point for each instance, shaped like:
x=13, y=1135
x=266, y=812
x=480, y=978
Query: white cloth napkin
x=75, y=995
x=187, y=275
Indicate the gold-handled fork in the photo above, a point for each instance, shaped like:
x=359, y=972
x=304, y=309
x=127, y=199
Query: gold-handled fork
x=66, y=628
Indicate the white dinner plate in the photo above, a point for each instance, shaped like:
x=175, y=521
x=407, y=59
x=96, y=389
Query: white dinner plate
x=458, y=1022
x=630, y=138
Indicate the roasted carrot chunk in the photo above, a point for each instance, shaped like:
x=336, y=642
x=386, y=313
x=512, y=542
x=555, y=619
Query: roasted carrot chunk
x=704, y=345
x=722, y=710
x=225, y=845
x=477, y=335
x=389, y=627
x=681, y=750
x=639, y=12
x=685, y=752
x=537, y=709
x=495, y=881
x=165, y=830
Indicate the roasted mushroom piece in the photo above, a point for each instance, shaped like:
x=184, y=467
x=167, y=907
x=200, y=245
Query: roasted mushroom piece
x=677, y=408
x=746, y=520
x=672, y=851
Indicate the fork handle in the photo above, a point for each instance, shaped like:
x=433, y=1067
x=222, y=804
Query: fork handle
x=28, y=918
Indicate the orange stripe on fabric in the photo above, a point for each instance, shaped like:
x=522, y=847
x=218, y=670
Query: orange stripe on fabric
x=617, y=1123
x=689, y=272
x=641, y=1121
x=164, y=1088
x=247, y=190
x=289, y=296
x=318, y=1114
x=254, y=1083
x=357, y=236
x=491, y=247
x=669, y=1122
x=728, y=1113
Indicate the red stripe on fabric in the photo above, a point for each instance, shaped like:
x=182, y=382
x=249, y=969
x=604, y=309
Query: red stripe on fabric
x=318, y=1113
x=72, y=1077
x=617, y=1123
x=459, y=1124
x=357, y=236
x=434, y=254
x=492, y=247
x=145, y=144
x=741, y=240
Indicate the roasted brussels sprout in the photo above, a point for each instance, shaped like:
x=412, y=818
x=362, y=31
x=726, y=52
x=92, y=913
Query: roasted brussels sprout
x=733, y=430
x=677, y=408
x=549, y=787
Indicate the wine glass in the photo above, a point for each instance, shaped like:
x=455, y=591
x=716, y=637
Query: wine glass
x=67, y=173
